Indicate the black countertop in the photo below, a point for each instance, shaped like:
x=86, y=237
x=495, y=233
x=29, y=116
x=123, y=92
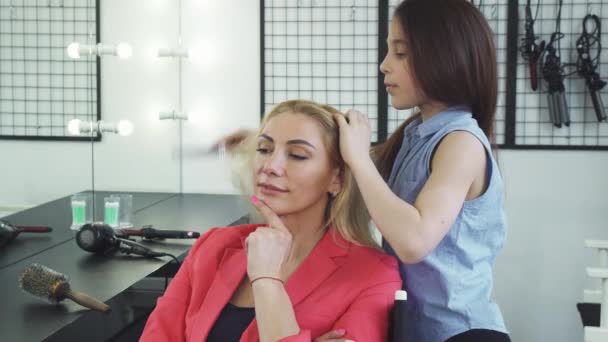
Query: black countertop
x=58, y=215
x=27, y=318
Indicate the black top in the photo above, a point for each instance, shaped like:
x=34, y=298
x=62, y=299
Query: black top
x=231, y=324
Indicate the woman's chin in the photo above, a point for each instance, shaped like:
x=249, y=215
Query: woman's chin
x=275, y=204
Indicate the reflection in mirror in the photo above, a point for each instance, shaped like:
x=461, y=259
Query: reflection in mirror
x=41, y=90
x=139, y=152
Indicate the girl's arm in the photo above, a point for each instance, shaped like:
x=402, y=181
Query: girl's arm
x=413, y=231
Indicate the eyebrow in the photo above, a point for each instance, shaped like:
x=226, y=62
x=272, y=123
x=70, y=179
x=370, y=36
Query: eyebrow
x=289, y=142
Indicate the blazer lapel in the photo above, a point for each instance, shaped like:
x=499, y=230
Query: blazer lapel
x=319, y=265
x=310, y=274
x=229, y=274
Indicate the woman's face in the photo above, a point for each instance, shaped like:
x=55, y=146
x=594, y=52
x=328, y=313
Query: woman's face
x=292, y=169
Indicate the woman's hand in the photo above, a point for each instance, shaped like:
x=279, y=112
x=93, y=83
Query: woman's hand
x=268, y=248
x=355, y=135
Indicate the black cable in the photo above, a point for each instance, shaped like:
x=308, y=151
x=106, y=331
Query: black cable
x=586, y=66
x=167, y=271
x=171, y=256
x=553, y=73
x=138, y=248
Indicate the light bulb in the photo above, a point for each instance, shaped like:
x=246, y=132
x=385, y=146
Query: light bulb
x=124, y=127
x=123, y=50
x=73, y=50
x=74, y=127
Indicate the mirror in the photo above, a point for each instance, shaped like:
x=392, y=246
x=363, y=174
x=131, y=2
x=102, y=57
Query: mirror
x=41, y=91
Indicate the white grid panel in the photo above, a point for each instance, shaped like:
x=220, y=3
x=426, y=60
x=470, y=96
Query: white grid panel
x=41, y=88
x=325, y=51
x=496, y=12
x=533, y=126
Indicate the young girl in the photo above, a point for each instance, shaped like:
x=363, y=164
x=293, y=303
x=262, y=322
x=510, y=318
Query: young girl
x=441, y=212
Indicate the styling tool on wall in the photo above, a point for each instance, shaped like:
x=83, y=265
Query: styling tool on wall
x=553, y=73
x=43, y=282
x=530, y=51
x=587, y=65
x=8, y=231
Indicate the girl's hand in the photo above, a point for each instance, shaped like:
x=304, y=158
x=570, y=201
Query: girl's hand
x=355, y=135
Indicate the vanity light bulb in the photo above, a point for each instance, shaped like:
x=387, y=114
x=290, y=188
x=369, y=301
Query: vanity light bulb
x=74, y=127
x=124, y=50
x=124, y=127
x=73, y=50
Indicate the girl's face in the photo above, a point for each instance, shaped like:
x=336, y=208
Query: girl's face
x=398, y=79
x=292, y=169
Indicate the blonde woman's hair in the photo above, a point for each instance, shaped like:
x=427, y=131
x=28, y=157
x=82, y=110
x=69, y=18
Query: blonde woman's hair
x=346, y=211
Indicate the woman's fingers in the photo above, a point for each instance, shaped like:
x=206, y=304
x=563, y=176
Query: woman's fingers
x=273, y=220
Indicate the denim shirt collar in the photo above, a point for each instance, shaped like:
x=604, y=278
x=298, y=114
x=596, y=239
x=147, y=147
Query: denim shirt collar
x=437, y=121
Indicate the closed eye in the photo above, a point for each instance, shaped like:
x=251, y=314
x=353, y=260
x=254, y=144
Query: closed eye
x=298, y=157
x=262, y=150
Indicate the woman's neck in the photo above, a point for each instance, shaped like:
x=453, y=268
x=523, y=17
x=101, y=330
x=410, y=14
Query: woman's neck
x=307, y=229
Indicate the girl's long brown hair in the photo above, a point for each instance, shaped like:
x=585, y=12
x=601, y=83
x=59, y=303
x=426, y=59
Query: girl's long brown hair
x=452, y=55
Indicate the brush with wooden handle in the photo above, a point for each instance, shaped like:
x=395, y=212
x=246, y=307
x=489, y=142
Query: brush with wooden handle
x=53, y=286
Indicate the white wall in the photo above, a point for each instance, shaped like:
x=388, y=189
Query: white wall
x=36, y=172
x=222, y=87
x=554, y=199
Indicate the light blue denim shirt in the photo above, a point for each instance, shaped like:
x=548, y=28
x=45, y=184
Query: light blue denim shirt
x=450, y=290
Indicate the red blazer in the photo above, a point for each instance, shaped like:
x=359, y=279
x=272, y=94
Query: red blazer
x=339, y=285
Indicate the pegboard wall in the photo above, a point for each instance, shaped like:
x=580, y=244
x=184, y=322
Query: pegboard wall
x=322, y=50
x=41, y=88
x=537, y=121
x=329, y=51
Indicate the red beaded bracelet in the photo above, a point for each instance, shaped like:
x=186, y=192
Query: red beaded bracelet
x=273, y=278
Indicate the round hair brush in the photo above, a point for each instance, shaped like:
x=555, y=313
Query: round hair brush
x=44, y=282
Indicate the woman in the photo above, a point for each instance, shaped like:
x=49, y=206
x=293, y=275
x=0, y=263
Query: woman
x=314, y=267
